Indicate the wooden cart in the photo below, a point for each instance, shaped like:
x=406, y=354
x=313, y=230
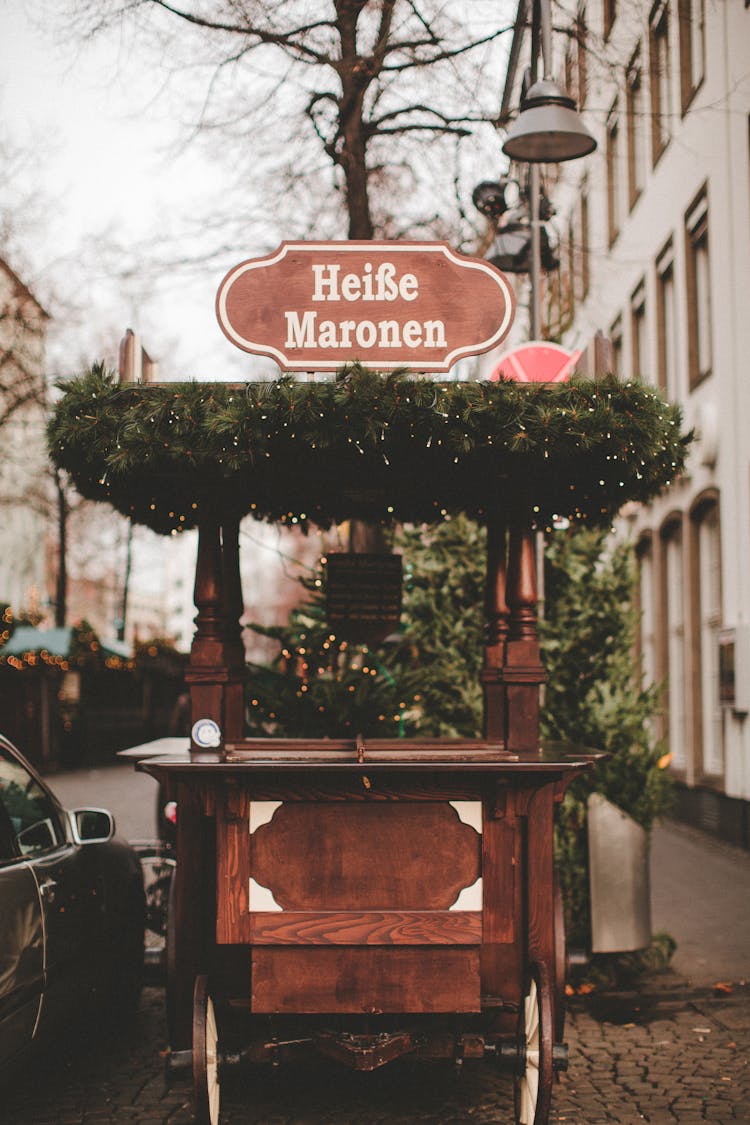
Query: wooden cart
x=370, y=898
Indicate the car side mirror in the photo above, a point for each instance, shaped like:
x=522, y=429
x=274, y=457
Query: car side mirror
x=92, y=826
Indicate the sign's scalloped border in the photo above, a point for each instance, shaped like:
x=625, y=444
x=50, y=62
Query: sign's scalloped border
x=462, y=260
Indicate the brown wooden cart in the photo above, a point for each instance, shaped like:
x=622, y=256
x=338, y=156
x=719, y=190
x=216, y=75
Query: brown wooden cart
x=369, y=898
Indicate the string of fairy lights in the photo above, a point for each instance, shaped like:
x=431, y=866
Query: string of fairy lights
x=384, y=448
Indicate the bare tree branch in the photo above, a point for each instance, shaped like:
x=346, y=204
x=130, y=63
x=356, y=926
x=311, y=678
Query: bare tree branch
x=288, y=40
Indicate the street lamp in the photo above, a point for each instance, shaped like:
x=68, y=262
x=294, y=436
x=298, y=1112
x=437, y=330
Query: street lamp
x=548, y=129
x=511, y=249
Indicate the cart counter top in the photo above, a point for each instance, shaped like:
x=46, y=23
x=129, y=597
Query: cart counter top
x=350, y=756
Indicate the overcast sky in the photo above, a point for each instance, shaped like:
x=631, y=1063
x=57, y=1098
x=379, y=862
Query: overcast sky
x=106, y=161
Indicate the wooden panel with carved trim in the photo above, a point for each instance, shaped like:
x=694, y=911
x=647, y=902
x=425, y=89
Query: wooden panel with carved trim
x=502, y=953
x=540, y=876
x=365, y=979
x=410, y=856
x=437, y=927
x=232, y=865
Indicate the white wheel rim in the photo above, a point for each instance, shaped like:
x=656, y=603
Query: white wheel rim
x=212, y=1062
x=529, y=1083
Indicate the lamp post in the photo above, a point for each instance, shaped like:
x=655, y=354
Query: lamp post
x=546, y=130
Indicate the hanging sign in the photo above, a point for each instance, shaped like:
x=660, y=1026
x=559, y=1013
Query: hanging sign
x=363, y=595
x=314, y=306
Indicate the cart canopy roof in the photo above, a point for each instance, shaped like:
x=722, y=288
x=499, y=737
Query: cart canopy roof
x=381, y=448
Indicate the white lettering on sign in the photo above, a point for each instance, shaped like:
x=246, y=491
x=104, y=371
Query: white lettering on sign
x=382, y=284
x=378, y=285
x=304, y=331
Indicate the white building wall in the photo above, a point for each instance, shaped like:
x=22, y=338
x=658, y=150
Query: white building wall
x=709, y=145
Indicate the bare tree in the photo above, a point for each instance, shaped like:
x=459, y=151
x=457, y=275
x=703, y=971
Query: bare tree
x=361, y=103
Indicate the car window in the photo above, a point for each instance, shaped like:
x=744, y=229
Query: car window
x=33, y=816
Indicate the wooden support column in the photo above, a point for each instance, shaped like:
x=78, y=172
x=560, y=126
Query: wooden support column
x=216, y=672
x=495, y=632
x=523, y=671
x=191, y=920
x=234, y=605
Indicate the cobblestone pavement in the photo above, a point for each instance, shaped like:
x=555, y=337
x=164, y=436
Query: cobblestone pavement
x=671, y=1054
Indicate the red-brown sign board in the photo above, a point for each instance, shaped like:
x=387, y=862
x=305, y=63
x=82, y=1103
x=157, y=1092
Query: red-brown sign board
x=314, y=306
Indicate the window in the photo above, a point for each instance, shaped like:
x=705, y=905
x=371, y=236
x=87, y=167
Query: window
x=581, y=55
x=673, y=628
x=698, y=288
x=572, y=264
x=707, y=606
x=609, y=16
x=647, y=612
x=31, y=811
x=692, y=48
x=569, y=78
x=613, y=174
x=666, y=328
x=634, y=114
x=584, y=220
x=638, y=332
x=615, y=335
x=578, y=232
x=660, y=79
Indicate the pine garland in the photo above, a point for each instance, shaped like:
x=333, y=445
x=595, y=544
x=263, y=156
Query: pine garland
x=368, y=446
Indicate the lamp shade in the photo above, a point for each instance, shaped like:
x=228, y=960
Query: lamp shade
x=548, y=129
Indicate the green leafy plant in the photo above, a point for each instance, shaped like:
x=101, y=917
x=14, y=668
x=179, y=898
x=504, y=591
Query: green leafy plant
x=322, y=686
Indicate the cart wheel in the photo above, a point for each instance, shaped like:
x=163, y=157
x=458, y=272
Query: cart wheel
x=533, y=1083
x=206, y=1091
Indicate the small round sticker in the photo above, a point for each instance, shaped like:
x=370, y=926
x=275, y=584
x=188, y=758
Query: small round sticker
x=206, y=733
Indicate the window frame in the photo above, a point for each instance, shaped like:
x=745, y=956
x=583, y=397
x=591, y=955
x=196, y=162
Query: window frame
x=638, y=329
x=581, y=39
x=706, y=507
x=689, y=83
x=615, y=336
x=666, y=335
x=609, y=15
x=658, y=36
x=673, y=636
x=699, y=306
x=612, y=158
x=634, y=127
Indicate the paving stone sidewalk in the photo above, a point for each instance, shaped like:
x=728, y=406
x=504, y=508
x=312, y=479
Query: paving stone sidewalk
x=668, y=1055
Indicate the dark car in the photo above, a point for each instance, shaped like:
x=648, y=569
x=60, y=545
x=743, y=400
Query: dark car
x=71, y=912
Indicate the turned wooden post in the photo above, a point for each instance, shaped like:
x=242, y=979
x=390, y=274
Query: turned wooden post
x=234, y=605
x=522, y=671
x=495, y=632
x=216, y=678
x=216, y=672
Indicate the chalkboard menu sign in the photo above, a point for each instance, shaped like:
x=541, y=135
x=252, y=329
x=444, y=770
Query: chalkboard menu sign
x=363, y=595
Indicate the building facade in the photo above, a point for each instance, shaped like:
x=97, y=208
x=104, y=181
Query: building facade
x=655, y=254
x=24, y=479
